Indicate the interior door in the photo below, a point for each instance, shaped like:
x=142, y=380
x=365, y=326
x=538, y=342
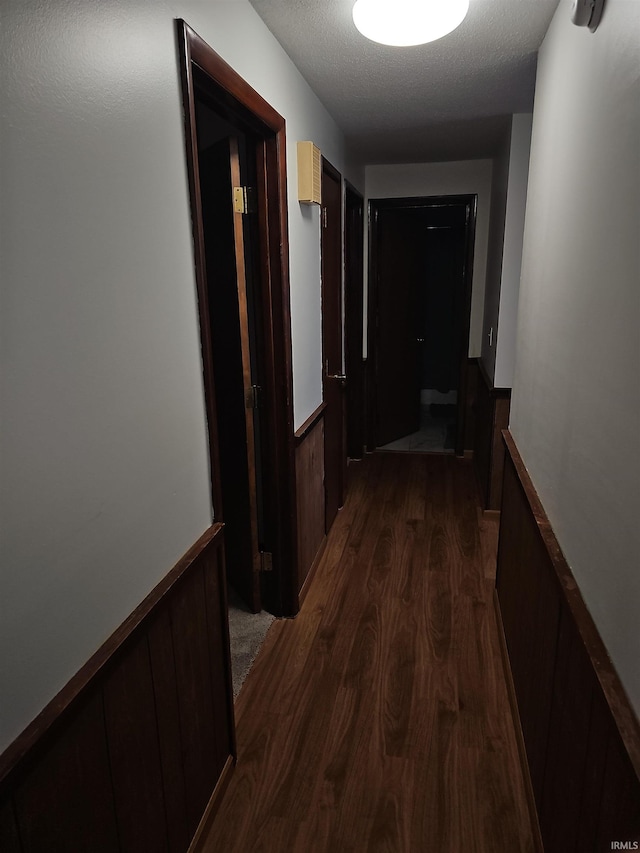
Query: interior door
x=422, y=267
x=334, y=381
x=353, y=320
x=399, y=259
x=441, y=298
x=217, y=103
x=230, y=335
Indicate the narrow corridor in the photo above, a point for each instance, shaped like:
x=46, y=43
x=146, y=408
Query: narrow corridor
x=379, y=718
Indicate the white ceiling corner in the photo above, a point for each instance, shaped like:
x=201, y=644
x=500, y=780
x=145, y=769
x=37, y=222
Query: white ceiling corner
x=445, y=100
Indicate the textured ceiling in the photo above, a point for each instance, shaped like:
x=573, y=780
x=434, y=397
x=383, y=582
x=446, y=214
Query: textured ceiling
x=439, y=101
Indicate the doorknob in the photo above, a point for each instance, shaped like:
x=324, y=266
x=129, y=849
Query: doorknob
x=341, y=377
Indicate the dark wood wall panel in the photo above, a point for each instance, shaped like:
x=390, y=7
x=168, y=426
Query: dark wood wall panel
x=471, y=398
x=483, y=437
x=492, y=407
x=9, y=838
x=219, y=650
x=128, y=755
x=581, y=736
x=619, y=814
x=572, y=697
x=530, y=624
x=169, y=736
x=593, y=773
x=66, y=801
x=132, y=734
x=501, y=411
x=311, y=494
x=200, y=754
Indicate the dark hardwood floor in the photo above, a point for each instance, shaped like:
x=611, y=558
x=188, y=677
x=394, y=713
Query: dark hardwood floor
x=379, y=719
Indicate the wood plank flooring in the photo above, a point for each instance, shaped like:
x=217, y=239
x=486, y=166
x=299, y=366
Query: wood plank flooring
x=378, y=719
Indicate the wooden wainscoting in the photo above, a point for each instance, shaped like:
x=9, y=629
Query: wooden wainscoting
x=470, y=406
x=135, y=750
x=311, y=497
x=581, y=737
x=491, y=417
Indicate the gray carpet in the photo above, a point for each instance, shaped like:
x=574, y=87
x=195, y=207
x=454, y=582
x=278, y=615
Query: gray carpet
x=246, y=631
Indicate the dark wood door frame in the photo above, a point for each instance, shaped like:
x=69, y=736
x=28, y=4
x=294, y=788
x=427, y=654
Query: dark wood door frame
x=202, y=68
x=353, y=319
x=406, y=204
x=236, y=352
x=333, y=383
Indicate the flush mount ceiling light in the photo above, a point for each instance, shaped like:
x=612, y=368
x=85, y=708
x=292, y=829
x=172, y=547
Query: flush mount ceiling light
x=402, y=23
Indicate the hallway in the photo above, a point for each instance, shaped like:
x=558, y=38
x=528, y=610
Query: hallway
x=378, y=719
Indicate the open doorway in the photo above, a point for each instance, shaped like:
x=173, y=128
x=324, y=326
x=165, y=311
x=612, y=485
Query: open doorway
x=226, y=158
x=235, y=145
x=237, y=360
x=421, y=267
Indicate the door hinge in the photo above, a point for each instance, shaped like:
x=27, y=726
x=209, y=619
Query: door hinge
x=244, y=200
x=324, y=217
x=266, y=561
x=252, y=397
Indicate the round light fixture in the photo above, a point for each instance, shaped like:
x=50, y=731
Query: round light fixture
x=402, y=23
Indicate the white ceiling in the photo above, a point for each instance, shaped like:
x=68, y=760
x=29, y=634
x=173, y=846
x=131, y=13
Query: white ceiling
x=441, y=101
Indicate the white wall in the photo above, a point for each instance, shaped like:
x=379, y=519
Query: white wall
x=520, y=148
x=104, y=455
x=506, y=230
x=499, y=189
x=576, y=400
x=461, y=177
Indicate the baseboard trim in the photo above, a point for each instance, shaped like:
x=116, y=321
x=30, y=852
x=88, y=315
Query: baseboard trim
x=212, y=807
x=515, y=715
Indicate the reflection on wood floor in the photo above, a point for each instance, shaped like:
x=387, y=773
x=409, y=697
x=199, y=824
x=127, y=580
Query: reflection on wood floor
x=378, y=719
x=437, y=433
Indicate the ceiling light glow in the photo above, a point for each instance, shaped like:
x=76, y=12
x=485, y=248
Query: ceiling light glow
x=402, y=23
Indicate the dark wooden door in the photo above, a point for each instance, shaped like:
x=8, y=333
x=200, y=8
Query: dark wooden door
x=229, y=322
x=333, y=378
x=398, y=261
x=440, y=294
x=422, y=265
x=353, y=319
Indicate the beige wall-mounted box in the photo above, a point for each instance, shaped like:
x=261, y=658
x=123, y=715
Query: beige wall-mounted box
x=309, y=173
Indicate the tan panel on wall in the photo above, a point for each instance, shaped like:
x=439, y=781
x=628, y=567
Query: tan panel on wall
x=309, y=173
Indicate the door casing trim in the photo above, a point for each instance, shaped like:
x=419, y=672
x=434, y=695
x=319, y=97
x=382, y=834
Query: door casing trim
x=237, y=99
